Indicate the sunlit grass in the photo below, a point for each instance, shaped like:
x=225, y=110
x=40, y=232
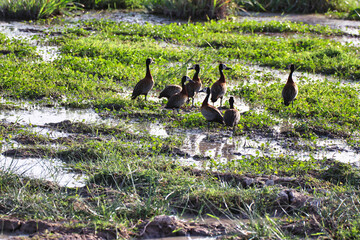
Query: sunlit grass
x=30, y=9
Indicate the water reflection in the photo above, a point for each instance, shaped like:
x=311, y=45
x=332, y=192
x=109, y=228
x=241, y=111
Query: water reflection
x=40, y=116
x=41, y=168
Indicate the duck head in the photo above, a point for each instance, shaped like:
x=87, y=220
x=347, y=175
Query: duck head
x=222, y=66
x=149, y=61
x=196, y=67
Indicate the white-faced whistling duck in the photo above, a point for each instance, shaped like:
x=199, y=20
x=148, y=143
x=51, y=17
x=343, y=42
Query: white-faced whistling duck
x=144, y=85
x=290, y=89
x=194, y=87
x=177, y=100
x=210, y=113
x=218, y=89
x=170, y=90
x=232, y=115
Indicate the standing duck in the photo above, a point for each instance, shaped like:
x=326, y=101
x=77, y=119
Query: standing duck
x=210, y=113
x=218, y=89
x=290, y=89
x=145, y=85
x=177, y=100
x=194, y=87
x=232, y=115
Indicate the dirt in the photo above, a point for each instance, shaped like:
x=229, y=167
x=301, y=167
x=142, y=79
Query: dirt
x=37, y=229
x=28, y=153
x=170, y=226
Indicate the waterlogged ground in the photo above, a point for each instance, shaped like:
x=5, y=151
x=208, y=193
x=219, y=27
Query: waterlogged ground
x=79, y=158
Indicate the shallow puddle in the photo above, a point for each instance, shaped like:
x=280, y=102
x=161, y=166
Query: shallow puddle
x=222, y=147
x=4, y=236
x=30, y=33
x=347, y=26
x=41, y=116
x=123, y=16
x=40, y=168
x=50, y=133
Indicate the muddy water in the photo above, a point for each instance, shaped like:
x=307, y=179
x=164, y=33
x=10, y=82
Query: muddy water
x=219, y=144
x=12, y=236
x=40, y=116
x=30, y=34
x=40, y=168
x=347, y=26
x=44, y=168
x=222, y=146
x=124, y=16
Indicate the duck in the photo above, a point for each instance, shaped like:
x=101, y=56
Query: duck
x=290, y=89
x=210, y=113
x=194, y=87
x=232, y=115
x=177, y=100
x=170, y=90
x=144, y=85
x=218, y=89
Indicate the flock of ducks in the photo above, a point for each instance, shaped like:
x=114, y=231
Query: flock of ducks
x=178, y=95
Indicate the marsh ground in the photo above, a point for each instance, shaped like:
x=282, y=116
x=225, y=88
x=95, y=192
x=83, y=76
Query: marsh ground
x=81, y=159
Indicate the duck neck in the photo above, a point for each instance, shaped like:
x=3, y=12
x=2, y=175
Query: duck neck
x=205, y=102
x=148, y=74
x=231, y=105
x=196, y=77
x=290, y=79
x=222, y=76
x=184, y=89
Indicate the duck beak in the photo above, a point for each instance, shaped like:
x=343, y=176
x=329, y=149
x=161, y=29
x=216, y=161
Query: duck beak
x=203, y=90
x=228, y=68
x=191, y=68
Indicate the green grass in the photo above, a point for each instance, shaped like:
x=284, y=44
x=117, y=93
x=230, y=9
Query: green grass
x=133, y=177
x=30, y=9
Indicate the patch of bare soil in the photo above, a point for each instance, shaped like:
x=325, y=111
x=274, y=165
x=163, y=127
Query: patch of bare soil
x=72, y=127
x=170, y=226
x=248, y=180
x=29, y=153
x=304, y=228
x=83, y=128
x=33, y=140
x=321, y=132
x=38, y=229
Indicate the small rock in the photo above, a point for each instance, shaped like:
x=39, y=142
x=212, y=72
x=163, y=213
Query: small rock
x=247, y=182
x=270, y=182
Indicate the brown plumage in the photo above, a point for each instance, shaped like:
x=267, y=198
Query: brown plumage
x=194, y=87
x=210, y=113
x=170, y=90
x=290, y=89
x=177, y=100
x=144, y=85
x=232, y=115
x=218, y=89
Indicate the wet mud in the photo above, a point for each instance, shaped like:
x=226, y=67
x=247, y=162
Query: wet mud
x=36, y=229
